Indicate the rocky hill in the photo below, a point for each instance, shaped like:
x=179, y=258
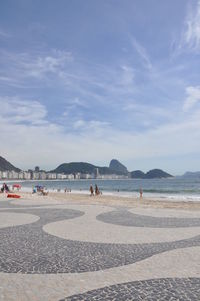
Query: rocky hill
x=151, y=174
x=138, y=174
x=84, y=167
x=191, y=174
x=5, y=165
x=116, y=166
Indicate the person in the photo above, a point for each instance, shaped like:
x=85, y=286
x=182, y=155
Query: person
x=91, y=190
x=5, y=188
x=44, y=192
x=141, y=192
x=34, y=190
x=96, y=190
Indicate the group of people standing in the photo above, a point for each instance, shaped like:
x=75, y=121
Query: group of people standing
x=5, y=188
x=94, y=190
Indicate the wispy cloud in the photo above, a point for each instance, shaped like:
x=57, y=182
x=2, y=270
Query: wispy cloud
x=191, y=34
x=20, y=111
x=142, y=53
x=52, y=63
x=25, y=123
x=147, y=116
x=193, y=97
x=147, y=110
x=128, y=75
x=92, y=126
x=17, y=67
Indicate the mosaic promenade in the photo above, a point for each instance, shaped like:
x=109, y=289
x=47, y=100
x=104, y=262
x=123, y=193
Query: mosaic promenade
x=50, y=251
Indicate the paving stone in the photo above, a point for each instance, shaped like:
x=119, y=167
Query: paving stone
x=28, y=249
x=126, y=218
x=186, y=289
x=9, y=205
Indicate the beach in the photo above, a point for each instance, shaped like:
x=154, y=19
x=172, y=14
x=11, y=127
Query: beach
x=110, y=200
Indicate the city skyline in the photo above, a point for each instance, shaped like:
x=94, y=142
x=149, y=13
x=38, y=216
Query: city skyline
x=94, y=80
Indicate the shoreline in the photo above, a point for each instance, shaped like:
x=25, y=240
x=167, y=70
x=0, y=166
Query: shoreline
x=125, y=191
x=107, y=200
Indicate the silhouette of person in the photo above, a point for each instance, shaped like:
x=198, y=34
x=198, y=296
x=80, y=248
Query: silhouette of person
x=91, y=190
x=141, y=192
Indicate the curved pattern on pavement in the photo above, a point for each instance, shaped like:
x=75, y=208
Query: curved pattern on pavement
x=22, y=203
x=28, y=249
x=10, y=219
x=166, y=212
x=129, y=219
x=180, y=263
x=152, y=290
x=86, y=227
x=38, y=201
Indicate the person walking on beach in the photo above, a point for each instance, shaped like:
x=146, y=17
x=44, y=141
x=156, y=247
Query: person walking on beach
x=141, y=192
x=96, y=190
x=91, y=190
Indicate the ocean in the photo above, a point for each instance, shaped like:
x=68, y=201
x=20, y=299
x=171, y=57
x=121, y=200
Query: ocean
x=177, y=188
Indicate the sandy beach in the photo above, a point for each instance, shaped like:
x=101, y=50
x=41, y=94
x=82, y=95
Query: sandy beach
x=79, y=198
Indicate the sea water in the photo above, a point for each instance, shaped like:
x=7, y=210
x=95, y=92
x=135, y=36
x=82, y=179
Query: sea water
x=175, y=188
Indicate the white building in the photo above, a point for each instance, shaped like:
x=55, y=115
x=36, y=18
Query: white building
x=11, y=174
x=27, y=175
x=77, y=176
x=4, y=174
x=42, y=175
x=61, y=176
x=51, y=176
x=70, y=177
x=35, y=175
x=86, y=176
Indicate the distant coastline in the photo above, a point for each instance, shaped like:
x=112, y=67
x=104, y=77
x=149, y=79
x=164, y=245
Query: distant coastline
x=77, y=170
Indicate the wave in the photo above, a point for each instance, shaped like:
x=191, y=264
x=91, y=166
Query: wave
x=174, y=191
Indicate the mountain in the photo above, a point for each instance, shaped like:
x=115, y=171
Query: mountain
x=151, y=174
x=82, y=167
x=138, y=174
x=190, y=174
x=116, y=166
x=157, y=173
x=5, y=165
x=74, y=167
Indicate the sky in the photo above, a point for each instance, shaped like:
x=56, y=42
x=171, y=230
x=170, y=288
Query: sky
x=95, y=80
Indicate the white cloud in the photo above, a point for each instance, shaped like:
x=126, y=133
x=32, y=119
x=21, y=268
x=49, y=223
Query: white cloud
x=142, y=53
x=94, y=128
x=79, y=124
x=191, y=34
x=18, y=68
x=147, y=115
x=43, y=64
x=93, y=141
x=16, y=110
x=193, y=97
x=127, y=75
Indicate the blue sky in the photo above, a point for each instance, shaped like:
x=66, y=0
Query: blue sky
x=94, y=80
